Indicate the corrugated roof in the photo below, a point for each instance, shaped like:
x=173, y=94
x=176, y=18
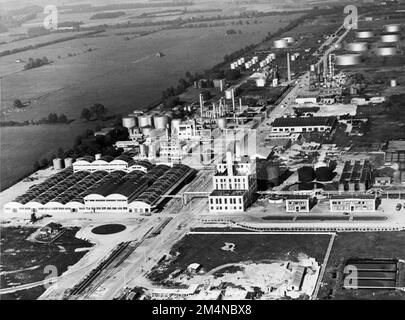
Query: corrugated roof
x=304, y=121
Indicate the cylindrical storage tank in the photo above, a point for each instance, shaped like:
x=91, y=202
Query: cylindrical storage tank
x=364, y=34
x=348, y=59
x=289, y=40
x=160, y=121
x=68, y=162
x=145, y=120
x=233, y=66
x=323, y=173
x=228, y=94
x=222, y=123
x=387, y=51
x=312, y=68
x=272, y=56
x=142, y=150
x=175, y=123
x=261, y=82
x=129, y=122
x=393, y=83
x=97, y=156
x=358, y=46
x=152, y=151
x=57, y=164
x=280, y=44
x=147, y=130
x=306, y=174
x=389, y=37
x=392, y=28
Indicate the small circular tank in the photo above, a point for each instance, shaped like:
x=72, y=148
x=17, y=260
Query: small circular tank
x=57, y=164
x=160, y=121
x=222, y=123
x=306, y=174
x=174, y=124
x=68, y=162
x=145, y=120
x=129, y=122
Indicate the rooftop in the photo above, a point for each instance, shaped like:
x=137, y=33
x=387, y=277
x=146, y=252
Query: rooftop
x=304, y=121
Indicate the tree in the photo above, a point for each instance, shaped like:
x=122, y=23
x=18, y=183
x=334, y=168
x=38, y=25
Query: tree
x=62, y=118
x=52, y=118
x=18, y=104
x=36, y=166
x=86, y=114
x=61, y=153
x=98, y=110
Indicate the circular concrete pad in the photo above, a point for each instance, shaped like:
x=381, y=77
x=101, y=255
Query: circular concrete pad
x=108, y=229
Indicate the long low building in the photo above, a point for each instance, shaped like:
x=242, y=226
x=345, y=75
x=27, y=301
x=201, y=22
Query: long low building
x=352, y=203
x=303, y=124
x=101, y=191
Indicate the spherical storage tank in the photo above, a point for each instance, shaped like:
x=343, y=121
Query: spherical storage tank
x=160, y=121
x=323, y=173
x=145, y=120
x=129, y=122
x=57, y=164
x=306, y=174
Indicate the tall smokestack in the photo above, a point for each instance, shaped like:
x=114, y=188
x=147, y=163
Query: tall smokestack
x=233, y=100
x=288, y=67
x=229, y=163
x=325, y=66
x=201, y=104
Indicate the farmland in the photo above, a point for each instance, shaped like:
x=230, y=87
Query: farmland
x=122, y=74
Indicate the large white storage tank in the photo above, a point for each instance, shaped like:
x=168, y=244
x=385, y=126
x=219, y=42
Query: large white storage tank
x=389, y=37
x=347, y=59
x=57, y=164
x=222, y=123
x=228, y=94
x=129, y=122
x=160, y=121
x=392, y=28
x=145, y=120
x=387, y=51
x=68, y=162
x=358, y=46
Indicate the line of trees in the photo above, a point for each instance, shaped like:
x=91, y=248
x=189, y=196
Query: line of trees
x=97, y=111
x=36, y=63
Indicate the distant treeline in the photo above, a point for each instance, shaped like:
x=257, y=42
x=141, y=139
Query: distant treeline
x=107, y=15
x=52, y=118
x=44, y=44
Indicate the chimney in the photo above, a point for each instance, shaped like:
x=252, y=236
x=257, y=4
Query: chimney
x=233, y=100
x=325, y=66
x=229, y=163
x=201, y=104
x=288, y=67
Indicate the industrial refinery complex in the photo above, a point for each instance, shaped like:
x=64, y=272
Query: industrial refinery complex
x=283, y=146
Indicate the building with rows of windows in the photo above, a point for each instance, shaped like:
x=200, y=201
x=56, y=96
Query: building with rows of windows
x=234, y=186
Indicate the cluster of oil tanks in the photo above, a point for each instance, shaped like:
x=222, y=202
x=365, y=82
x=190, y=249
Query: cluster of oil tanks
x=147, y=122
x=321, y=173
x=59, y=163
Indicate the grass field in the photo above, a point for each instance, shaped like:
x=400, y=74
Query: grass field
x=205, y=249
x=17, y=253
x=362, y=245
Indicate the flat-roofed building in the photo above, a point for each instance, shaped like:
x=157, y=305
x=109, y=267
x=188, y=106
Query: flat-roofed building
x=298, y=203
x=395, y=151
x=303, y=124
x=352, y=203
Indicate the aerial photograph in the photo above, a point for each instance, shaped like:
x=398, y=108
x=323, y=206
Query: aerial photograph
x=203, y=150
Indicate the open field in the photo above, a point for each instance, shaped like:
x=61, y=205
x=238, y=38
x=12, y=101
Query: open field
x=23, y=262
x=205, y=249
x=122, y=75
x=362, y=245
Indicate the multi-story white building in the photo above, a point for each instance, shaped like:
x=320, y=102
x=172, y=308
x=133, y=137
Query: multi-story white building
x=234, y=185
